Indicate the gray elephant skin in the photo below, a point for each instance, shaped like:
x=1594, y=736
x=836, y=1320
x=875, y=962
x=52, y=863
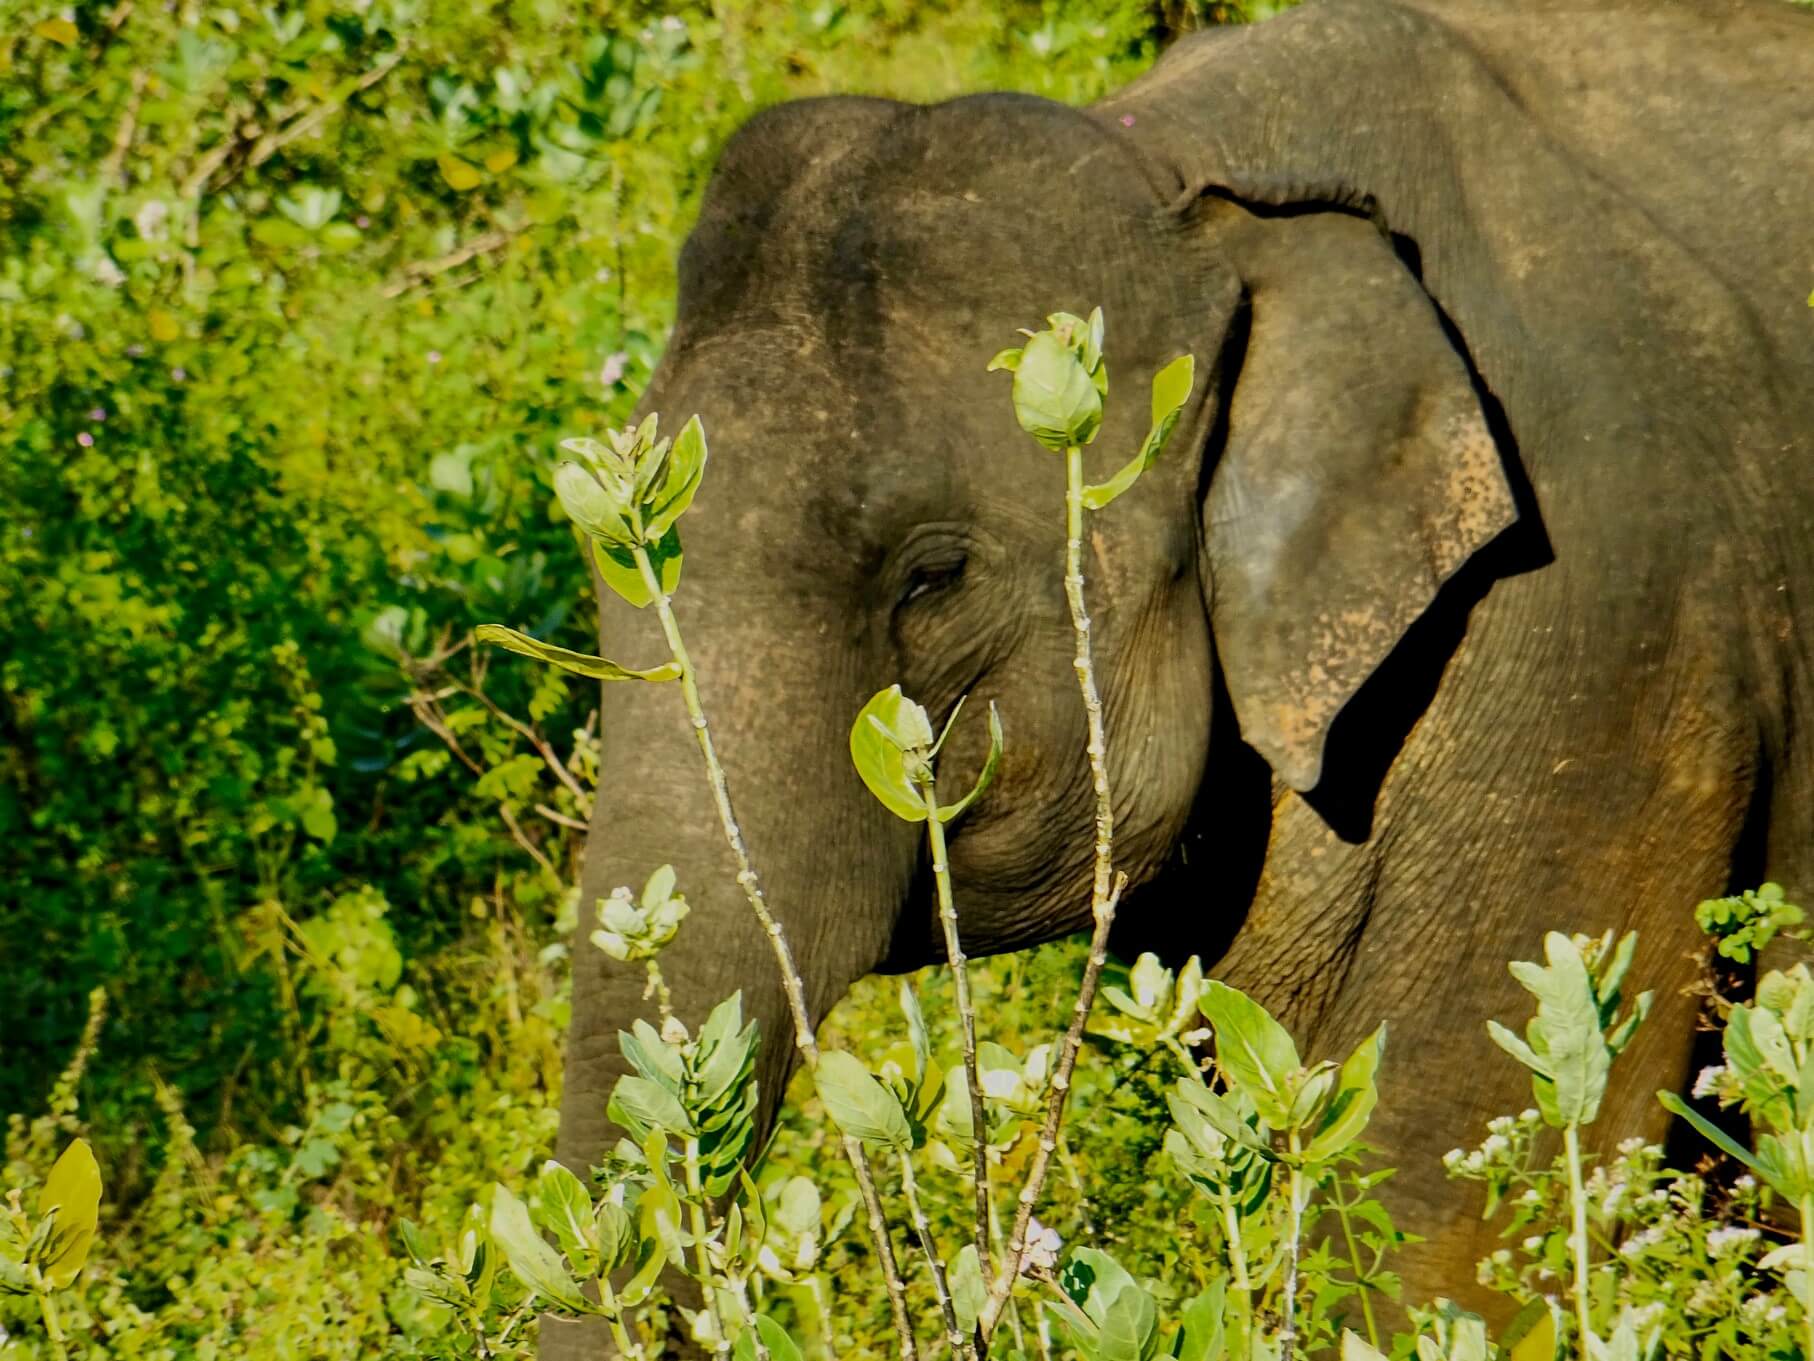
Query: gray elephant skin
x=1473, y=596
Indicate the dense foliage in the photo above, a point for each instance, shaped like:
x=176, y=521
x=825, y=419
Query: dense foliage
x=294, y=302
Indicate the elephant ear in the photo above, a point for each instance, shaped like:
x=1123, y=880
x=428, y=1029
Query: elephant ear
x=1358, y=475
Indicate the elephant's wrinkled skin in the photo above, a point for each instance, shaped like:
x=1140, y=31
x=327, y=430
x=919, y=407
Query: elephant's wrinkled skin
x=1472, y=597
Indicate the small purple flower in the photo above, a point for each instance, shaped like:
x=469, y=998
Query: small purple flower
x=434, y=356
x=85, y=439
x=98, y=414
x=179, y=374
x=362, y=222
x=1127, y=120
x=613, y=370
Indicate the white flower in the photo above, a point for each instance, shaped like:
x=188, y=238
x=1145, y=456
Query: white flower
x=1724, y=1240
x=1453, y=1158
x=150, y=219
x=1708, y=1082
x=612, y=371
x=1041, y=1252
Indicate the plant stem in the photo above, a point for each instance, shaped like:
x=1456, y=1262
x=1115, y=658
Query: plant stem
x=1289, y=1335
x=1086, y=678
x=696, y=1213
x=53, y=1325
x=1009, y=1267
x=1341, y=1211
x=791, y=983
x=954, y=950
x=1020, y=1336
x=1577, y=1200
x=627, y=1346
x=658, y=989
x=1103, y=898
x=822, y=1307
x=757, y=1345
x=923, y=1230
x=1807, y=1267
x=1239, y=1281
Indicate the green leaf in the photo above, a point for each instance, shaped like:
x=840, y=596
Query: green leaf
x=1200, y=1336
x=858, y=1104
x=579, y=663
x=565, y=1210
x=1357, y=1348
x=1254, y=1051
x=780, y=1346
x=1055, y=400
x=1535, y=1334
x=616, y=1234
x=617, y=566
x=1712, y=1133
x=1171, y=388
x=640, y=1105
x=968, y=1294
x=536, y=1264
x=589, y=505
x=885, y=727
x=987, y=777
x=13, y=1278
x=1356, y=1094
x=1565, y=1049
x=72, y=1193
x=1008, y=359
x=916, y=1028
x=1123, y=1317
x=685, y=469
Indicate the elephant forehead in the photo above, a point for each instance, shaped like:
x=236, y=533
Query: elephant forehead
x=832, y=213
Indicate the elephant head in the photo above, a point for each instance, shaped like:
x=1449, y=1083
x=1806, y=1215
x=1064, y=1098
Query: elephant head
x=873, y=514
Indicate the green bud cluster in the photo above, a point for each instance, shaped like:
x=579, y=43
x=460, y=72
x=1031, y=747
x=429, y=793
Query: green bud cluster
x=631, y=930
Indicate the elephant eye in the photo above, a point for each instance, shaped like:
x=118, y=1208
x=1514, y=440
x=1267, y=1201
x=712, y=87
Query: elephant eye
x=930, y=576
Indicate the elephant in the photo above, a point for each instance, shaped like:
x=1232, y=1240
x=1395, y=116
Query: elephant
x=1472, y=596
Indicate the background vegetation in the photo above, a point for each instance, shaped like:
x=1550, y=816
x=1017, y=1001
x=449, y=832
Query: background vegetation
x=294, y=303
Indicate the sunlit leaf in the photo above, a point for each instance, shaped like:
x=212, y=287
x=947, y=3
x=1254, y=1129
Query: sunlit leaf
x=535, y=1263
x=579, y=663
x=72, y=1193
x=859, y=1105
x=986, y=777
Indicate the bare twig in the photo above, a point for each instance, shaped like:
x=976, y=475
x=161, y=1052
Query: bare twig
x=1055, y=1104
x=560, y=819
x=548, y=754
x=273, y=142
x=416, y=271
x=954, y=950
x=428, y=714
x=516, y=832
x=122, y=136
x=929, y=1250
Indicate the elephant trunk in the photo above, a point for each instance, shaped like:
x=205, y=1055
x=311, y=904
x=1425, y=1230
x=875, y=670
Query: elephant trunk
x=834, y=871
